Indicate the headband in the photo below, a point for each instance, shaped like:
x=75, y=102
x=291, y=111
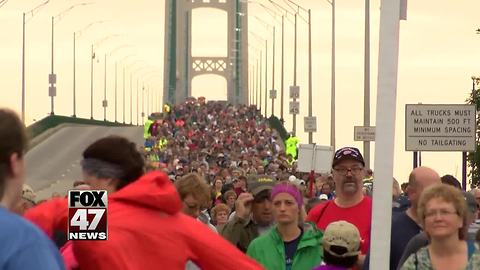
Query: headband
x=102, y=169
x=287, y=188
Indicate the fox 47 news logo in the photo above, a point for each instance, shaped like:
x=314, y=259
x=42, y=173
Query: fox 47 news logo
x=87, y=215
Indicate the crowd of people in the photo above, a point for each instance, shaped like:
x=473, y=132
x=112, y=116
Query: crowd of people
x=215, y=188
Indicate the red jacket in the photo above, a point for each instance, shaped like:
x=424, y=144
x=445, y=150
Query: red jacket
x=146, y=230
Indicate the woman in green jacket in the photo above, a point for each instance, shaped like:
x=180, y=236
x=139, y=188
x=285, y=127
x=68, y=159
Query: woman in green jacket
x=289, y=245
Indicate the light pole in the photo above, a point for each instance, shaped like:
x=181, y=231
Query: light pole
x=75, y=37
x=282, y=119
x=32, y=13
x=266, y=65
x=309, y=22
x=52, y=78
x=116, y=62
x=105, y=102
x=366, y=86
x=261, y=40
x=92, y=57
x=332, y=85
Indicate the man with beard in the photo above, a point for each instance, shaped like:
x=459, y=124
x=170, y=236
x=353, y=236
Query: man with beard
x=348, y=171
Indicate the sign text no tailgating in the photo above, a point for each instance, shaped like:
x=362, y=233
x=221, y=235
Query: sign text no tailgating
x=432, y=127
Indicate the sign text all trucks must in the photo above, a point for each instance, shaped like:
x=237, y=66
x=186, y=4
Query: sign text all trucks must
x=431, y=127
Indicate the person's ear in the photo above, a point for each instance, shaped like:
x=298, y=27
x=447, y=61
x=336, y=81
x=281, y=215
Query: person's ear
x=16, y=165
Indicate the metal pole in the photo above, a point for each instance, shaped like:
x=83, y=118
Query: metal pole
x=261, y=85
x=23, y=69
x=254, y=86
x=464, y=171
x=123, y=99
x=273, y=72
x=366, y=86
x=310, y=134
x=115, y=92
x=148, y=104
x=415, y=159
x=282, y=76
x=266, y=78
x=294, y=129
x=143, y=104
x=92, y=56
x=105, y=91
x=138, y=110
x=131, y=100
x=250, y=83
x=332, y=98
x=52, y=112
x=74, y=81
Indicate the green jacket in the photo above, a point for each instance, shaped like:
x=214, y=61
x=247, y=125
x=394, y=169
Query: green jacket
x=240, y=232
x=269, y=250
x=291, y=146
x=146, y=127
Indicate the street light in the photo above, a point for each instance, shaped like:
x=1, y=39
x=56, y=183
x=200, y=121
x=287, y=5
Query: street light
x=92, y=56
x=295, y=13
x=32, y=13
x=52, y=78
x=260, y=73
x=282, y=9
x=266, y=65
x=309, y=22
x=76, y=35
x=116, y=50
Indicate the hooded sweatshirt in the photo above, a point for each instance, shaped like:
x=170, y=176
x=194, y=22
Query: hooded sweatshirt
x=146, y=230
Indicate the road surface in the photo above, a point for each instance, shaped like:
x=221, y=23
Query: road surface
x=54, y=164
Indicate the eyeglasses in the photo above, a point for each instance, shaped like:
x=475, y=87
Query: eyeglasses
x=344, y=171
x=441, y=213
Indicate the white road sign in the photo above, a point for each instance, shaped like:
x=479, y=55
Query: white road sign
x=362, y=133
x=273, y=94
x=294, y=107
x=310, y=124
x=432, y=127
x=295, y=92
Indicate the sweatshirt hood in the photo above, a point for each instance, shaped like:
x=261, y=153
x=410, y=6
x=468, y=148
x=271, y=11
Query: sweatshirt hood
x=153, y=190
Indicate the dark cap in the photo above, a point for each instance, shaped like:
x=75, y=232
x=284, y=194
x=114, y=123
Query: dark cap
x=347, y=153
x=259, y=183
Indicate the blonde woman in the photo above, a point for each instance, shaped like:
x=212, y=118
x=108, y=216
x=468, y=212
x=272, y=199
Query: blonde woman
x=442, y=211
x=220, y=215
x=291, y=244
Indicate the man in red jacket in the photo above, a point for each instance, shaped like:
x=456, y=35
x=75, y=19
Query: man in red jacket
x=145, y=225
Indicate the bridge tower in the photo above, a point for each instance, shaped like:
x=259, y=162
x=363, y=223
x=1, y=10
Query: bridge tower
x=180, y=67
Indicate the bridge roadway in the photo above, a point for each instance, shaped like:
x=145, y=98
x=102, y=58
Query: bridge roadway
x=54, y=164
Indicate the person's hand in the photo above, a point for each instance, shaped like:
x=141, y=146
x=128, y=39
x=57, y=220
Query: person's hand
x=243, y=205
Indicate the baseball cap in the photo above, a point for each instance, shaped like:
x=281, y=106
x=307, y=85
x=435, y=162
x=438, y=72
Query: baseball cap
x=347, y=153
x=259, y=183
x=342, y=234
x=323, y=197
x=28, y=193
